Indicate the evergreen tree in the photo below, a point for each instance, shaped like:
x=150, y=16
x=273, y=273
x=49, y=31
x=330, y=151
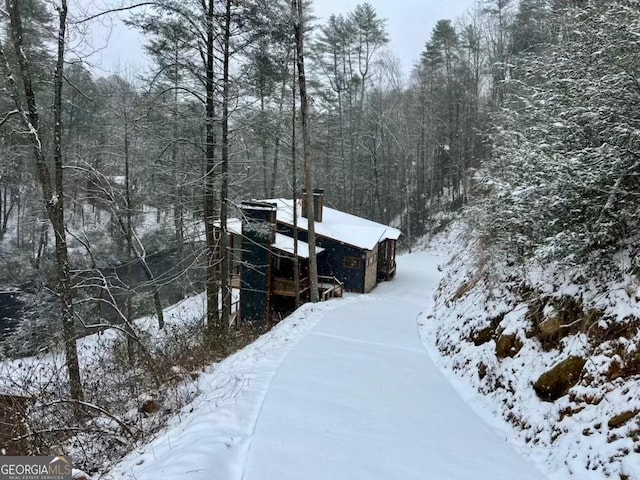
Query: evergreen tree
x=563, y=178
x=531, y=27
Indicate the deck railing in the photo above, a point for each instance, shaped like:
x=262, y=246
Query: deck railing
x=287, y=287
x=330, y=287
x=386, y=269
x=234, y=313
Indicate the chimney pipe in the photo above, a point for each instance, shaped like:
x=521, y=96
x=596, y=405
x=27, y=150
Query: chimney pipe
x=260, y=219
x=318, y=203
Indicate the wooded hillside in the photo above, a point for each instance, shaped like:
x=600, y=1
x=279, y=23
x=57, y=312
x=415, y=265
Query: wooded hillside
x=521, y=118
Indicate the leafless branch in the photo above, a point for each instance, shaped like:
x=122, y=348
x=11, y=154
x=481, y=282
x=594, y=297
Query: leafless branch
x=91, y=406
x=115, y=10
x=8, y=116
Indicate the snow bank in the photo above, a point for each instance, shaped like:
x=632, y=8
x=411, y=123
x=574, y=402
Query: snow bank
x=483, y=305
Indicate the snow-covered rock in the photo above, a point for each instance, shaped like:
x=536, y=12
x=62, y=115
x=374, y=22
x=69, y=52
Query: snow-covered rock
x=555, y=313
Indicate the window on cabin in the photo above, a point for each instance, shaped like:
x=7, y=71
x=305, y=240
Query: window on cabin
x=352, y=262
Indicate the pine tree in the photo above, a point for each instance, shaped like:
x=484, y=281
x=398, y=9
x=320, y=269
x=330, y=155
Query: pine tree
x=563, y=178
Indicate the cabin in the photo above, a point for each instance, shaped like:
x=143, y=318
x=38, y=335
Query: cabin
x=353, y=254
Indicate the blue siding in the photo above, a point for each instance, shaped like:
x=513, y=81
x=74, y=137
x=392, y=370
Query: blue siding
x=258, y=231
x=331, y=261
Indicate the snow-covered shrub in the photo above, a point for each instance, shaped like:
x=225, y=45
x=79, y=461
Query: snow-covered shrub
x=127, y=398
x=563, y=181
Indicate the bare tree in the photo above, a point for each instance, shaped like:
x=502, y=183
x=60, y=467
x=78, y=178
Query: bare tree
x=52, y=188
x=298, y=26
x=210, y=170
x=224, y=187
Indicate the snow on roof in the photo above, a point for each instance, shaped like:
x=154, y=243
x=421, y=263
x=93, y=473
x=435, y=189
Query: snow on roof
x=258, y=205
x=285, y=244
x=341, y=226
x=234, y=225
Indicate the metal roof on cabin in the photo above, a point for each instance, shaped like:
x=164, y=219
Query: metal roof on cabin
x=284, y=243
x=344, y=227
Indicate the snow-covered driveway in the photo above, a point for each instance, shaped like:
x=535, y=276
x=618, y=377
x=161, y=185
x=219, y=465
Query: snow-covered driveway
x=359, y=398
x=339, y=390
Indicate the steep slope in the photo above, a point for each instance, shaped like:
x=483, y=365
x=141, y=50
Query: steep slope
x=551, y=351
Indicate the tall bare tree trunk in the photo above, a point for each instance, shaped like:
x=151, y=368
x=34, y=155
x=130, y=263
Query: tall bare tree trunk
x=306, y=142
x=129, y=234
x=178, y=211
x=53, y=192
x=276, y=146
x=263, y=145
x=294, y=188
x=209, y=195
x=137, y=248
x=224, y=190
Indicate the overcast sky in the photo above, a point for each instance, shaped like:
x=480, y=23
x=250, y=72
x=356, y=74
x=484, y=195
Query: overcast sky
x=409, y=24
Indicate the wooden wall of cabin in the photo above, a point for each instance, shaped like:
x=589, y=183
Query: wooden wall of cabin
x=343, y=262
x=371, y=270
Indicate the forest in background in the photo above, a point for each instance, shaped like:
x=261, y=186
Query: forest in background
x=218, y=120
x=520, y=115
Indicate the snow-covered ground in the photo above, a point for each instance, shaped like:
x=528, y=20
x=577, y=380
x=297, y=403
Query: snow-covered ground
x=343, y=389
x=27, y=376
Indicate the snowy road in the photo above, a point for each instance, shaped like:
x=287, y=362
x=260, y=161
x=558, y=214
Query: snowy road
x=359, y=398
x=342, y=390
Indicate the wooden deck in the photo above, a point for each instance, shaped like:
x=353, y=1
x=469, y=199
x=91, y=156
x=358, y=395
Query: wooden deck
x=287, y=288
x=386, y=270
x=329, y=287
